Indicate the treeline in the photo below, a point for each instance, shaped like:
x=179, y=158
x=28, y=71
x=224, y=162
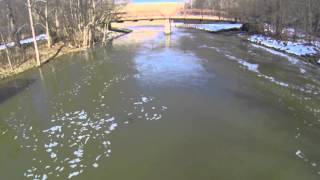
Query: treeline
x=302, y=15
x=77, y=23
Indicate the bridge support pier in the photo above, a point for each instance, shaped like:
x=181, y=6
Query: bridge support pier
x=167, y=27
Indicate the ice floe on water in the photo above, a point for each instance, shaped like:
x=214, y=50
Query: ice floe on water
x=74, y=133
x=250, y=66
x=255, y=68
x=304, y=158
x=210, y=47
x=76, y=140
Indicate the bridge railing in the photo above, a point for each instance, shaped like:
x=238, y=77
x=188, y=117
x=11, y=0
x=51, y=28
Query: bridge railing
x=201, y=12
x=182, y=13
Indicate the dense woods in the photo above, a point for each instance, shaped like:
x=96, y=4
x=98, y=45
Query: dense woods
x=301, y=15
x=75, y=23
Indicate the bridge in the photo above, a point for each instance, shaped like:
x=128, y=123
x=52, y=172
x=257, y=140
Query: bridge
x=169, y=12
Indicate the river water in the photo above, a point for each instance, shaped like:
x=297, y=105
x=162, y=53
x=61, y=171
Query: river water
x=192, y=105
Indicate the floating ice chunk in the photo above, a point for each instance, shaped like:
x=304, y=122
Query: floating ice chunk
x=79, y=152
x=164, y=108
x=44, y=177
x=144, y=99
x=95, y=165
x=53, y=155
x=98, y=157
x=300, y=154
x=272, y=79
x=71, y=175
x=83, y=115
x=53, y=129
x=77, y=160
x=302, y=70
x=110, y=119
x=113, y=126
x=51, y=145
x=249, y=66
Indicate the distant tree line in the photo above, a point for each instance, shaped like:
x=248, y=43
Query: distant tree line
x=303, y=15
x=77, y=23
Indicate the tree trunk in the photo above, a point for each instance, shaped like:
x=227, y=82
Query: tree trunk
x=49, y=40
x=38, y=62
x=279, y=18
x=7, y=52
x=14, y=36
x=105, y=32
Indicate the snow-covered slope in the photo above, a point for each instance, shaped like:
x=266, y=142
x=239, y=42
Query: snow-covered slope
x=211, y=27
x=40, y=37
x=296, y=48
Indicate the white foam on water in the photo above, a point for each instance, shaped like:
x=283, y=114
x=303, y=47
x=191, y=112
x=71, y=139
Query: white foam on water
x=300, y=154
x=53, y=129
x=79, y=152
x=113, y=126
x=51, y=145
x=95, y=165
x=73, y=174
x=289, y=58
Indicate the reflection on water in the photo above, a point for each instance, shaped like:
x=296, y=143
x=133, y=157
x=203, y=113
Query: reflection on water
x=12, y=88
x=169, y=67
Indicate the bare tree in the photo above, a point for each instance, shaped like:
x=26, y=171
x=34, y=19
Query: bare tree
x=33, y=33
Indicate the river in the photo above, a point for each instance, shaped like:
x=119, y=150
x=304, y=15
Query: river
x=192, y=105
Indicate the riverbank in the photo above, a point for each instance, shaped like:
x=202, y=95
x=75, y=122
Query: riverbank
x=309, y=51
x=49, y=54
x=213, y=28
x=302, y=49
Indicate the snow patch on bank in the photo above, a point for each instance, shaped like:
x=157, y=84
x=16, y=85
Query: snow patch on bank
x=211, y=27
x=296, y=48
x=40, y=37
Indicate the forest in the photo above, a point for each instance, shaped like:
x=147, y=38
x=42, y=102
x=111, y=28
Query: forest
x=72, y=23
x=299, y=15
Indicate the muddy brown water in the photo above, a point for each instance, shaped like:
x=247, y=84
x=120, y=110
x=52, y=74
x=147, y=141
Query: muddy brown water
x=188, y=106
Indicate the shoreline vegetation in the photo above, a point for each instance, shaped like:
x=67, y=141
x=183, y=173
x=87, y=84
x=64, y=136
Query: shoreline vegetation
x=283, y=25
x=50, y=54
x=302, y=49
x=34, y=32
x=287, y=26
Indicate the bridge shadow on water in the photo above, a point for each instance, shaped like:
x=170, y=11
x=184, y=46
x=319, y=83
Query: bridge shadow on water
x=14, y=87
